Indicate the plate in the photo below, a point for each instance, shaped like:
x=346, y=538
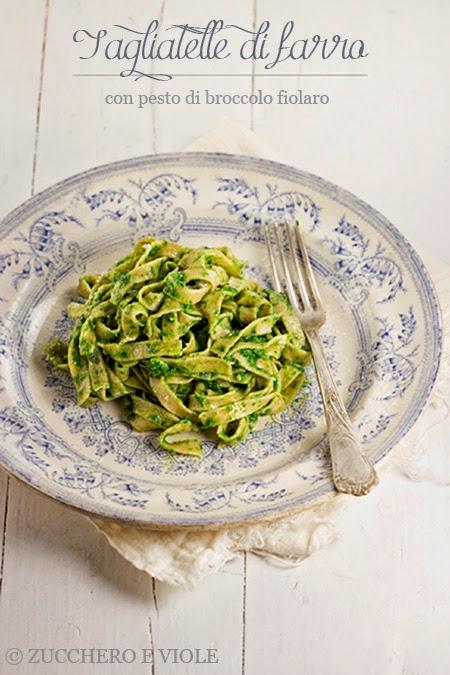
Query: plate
x=382, y=335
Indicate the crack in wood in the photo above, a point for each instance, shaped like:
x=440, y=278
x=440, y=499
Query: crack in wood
x=33, y=177
x=244, y=610
x=152, y=86
x=152, y=646
x=155, y=595
x=5, y=518
x=38, y=108
x=252, y=108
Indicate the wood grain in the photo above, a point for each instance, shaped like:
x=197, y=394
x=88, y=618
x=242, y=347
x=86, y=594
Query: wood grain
x=20, y=75
x=378, y=601
x=21, y=90
x=360, y=607
x=379, y=137
x=60, y=578
x=211, y=615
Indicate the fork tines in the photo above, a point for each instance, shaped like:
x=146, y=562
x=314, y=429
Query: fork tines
x=292, y=270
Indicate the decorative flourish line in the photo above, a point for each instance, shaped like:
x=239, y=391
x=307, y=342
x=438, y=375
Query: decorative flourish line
x=200, y=31
x=245, y=30
x=191, y=29
x=138, y=74
x=131, y=30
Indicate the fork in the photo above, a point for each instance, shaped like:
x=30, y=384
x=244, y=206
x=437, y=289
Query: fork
x=353, y=472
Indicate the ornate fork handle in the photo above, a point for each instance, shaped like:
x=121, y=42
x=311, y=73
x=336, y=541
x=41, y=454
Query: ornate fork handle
x=352, y=470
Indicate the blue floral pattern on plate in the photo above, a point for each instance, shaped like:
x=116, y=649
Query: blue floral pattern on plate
x=382, y=337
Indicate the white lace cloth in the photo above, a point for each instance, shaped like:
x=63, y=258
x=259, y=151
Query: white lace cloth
x=183, y=557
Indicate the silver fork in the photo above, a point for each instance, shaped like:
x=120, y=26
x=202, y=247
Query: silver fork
x=352, y=470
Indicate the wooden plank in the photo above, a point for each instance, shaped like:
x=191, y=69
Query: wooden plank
x=206, y=617
x=173, y=135
x=65, y=587
x=18, y=139
x=212, y=614
x=361, y=606
x=20, y=92
x=56, y=565
x=381, y=136
x=78, y=129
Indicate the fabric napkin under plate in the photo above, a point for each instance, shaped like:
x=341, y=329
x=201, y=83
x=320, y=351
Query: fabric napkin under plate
x=184, y=557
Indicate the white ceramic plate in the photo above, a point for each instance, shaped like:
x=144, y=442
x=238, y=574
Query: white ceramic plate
x=383, y=336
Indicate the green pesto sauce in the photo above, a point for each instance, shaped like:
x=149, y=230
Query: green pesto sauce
x=253, y=356
x=211, y=324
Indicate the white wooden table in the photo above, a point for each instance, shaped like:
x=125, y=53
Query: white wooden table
x=378, y=601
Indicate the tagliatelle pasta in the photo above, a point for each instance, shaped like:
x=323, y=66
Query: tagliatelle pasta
x=194, y=349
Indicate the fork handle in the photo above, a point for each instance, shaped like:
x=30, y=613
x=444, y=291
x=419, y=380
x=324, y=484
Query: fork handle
x=353, y=472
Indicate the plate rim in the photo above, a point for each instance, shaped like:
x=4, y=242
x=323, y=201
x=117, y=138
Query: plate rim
x=261, y=165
